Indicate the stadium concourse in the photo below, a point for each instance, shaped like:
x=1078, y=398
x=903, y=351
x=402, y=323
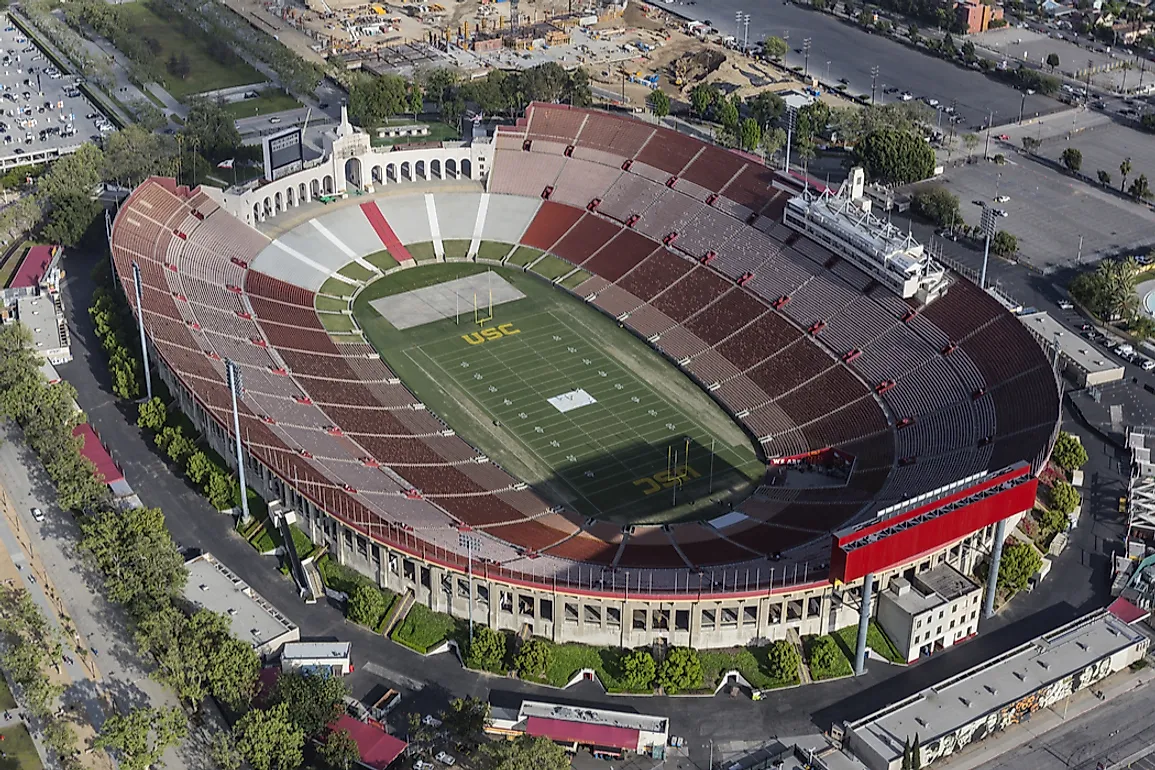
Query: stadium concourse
x=925, y=406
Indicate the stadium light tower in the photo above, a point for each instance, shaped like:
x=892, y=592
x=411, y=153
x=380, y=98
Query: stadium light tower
x=236, y=384
x=139, y=287
x=791, y=115
x=863, y=624
x=470, y=543
x=987, y=223
x=806, y=60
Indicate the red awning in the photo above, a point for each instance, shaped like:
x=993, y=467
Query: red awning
x=583, y=732
x=95, y=451
x=378, y=748
x=33, y=268
x=1126, y=611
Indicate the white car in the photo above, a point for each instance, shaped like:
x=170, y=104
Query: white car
x=1063, y=305
x=423, y=765
x=906, y=96
x=445, y=759
x=1147, y=364
x=1002, y=198
x=431, y=721
x=37, y=515
x=929, y=103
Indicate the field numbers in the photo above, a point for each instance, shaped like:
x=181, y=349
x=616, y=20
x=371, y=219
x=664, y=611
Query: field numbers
x=666, y=479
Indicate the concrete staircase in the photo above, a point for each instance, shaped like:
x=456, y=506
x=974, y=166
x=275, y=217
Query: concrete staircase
x=803, y=669
x=402, y=610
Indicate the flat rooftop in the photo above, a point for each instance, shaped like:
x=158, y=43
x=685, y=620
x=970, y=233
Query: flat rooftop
x=213, y=586
x=316, y=650
x=1082, y=352
x=992, y=685
x=946, y=581
x=639, y=722
x=38, y=314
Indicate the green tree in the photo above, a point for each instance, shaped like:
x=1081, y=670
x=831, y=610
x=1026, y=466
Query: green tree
x=702, y=98
x=773, y=140
x=680, y=671
x=209, y=128
x=822, y=654
x=938, y=205
x=133, y=154
x=1031, y=144
x=466, y=719
x=1104, y=177
x=339, y=751
x=311, y=700
x=639, y=670
x=533, y=659
x=180, y=447
x=968, y=51
x=1069, y=453
x=69, y=217
x=71, y=175
x=784, y=660
x=141, y=736
x=659, y=103
x=970, y=141
x=916, y=754
x=775, y=47
x=750, y=135
x=1052, y=61
x=1004, y=244
x=1018, y=563
x=135, y=552
x=198, y=467
x=728, y=117
x=223, y=752
x=895, y=157
x=152, y=414
x=1072, y=159
x=373, y=100
x=766, y=107
x=1124, y=171
x=1064, y=498
x=524, y=753
x=1053, y=520
x=1140, y=188
x=486, y=650
x=219, y=490
x=269, y=740
x=366, y=605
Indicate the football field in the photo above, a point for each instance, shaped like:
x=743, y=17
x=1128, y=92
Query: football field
x=564, y=399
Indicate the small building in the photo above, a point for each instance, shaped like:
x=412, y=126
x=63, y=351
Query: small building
x=975, y=16
x=106, y=468
x=606, y=733
x=325, y=658
x=1079, y=358
x=34, y=267
x=214, y=587
x=930, y=611
x=377, y=748
x=998, y=693
x=41, y=316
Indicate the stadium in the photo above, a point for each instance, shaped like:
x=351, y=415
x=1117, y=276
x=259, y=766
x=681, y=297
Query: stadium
x=602, y=381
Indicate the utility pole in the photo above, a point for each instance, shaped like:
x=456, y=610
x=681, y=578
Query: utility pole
x=873, y=82
x=786, y=56
x=140, y=322
x=806, y=53
x=790, y=117
x=236, y=385
x=990, y=125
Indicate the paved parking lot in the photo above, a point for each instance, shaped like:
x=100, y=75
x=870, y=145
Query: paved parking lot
x=42, y=116
x=1075, y=58
x=1105, y=147
x=1050, y=212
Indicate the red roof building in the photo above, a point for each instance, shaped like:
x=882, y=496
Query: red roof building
x=33, y=268
x=378, y=748
x=583, y=733
x=1127, y=612
x=95, y=451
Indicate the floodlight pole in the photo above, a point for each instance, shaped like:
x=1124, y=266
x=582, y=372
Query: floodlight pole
x=140, y=323
x=993, y=572
x=789, y=135
x=468, y=540
x=988, y=225
x=233, y=375
x=863, y=625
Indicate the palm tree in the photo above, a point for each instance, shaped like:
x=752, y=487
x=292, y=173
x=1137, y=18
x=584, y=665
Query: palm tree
x=1124, y=169
x=1119, y=277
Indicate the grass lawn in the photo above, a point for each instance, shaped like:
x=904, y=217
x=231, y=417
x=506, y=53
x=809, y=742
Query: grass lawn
x=571, y=282
x=523, y=256
x=382, y=260
x=19, y=751
x=839, y=667
x=331, y=305
x=568, y=659
x=6, y=699
x=268, y=102
x=603, y=457
x=346, y=579
x=438, y=132
x=456, y=249
x=423, y=629
x=551, y=267
x=301, y=541
x=15, y=257
x=422, y=252
x=337, y=288
x=337, y=322
x=750, y=662
x=356, y=272
x=268, y=539
x=493, y=250
x=876, y=639
x=207, y=73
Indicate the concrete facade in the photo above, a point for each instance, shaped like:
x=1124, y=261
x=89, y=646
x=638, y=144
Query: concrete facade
x=929, y=611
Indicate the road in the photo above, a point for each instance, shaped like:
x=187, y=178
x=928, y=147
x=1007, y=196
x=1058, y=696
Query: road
x=851, y=52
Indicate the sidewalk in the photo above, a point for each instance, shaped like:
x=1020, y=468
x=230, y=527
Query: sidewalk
x=982, y=753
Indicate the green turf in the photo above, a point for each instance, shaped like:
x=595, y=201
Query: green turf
x=839, y=667
x=422, y=252
x=455, y=249
x=337, y=288
x=492, y=250
x=576, y=279
x=19, y=751
x=382, y=260
x=876, y=639
x=610, y=459
x=523, y=256
x=751, y=662
x=423, y=629
x=551, y=268
x=337, y=322
x=331, y=305
x=268, y=102
x=6, y=699
x=357, y=272
x=12, y=262
x=206, y=72
x=438, y=132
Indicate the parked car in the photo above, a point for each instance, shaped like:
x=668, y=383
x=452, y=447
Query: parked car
x=1002, y=198
x=445, y=759
x=1147, y=364
x=1063, y=304
x=38, y=515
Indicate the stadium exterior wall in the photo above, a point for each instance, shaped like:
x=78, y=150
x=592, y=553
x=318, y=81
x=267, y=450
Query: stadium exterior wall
x=626, y=617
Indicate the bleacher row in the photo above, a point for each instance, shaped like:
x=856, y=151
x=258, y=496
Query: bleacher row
x=677, y=290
